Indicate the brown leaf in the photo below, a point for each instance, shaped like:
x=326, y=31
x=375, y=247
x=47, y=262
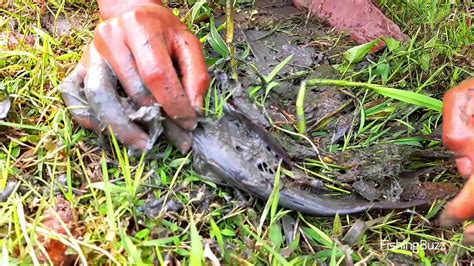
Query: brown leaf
x=57, y=251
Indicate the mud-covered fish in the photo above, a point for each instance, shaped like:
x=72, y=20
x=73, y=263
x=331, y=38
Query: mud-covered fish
x=234, y=152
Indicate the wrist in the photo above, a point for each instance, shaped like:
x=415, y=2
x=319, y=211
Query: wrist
x=113, y=8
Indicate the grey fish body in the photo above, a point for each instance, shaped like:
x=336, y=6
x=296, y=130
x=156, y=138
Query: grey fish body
x=232, y=153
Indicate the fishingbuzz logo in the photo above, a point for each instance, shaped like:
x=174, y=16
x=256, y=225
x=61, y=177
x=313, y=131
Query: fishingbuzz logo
x=414, y=246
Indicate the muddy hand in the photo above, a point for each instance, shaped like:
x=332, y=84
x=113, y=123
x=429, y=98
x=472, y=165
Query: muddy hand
x=458, y=136
x=149, y=50
x=145, y=44
x=90, y=94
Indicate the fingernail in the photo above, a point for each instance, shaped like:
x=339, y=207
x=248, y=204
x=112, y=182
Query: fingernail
x=448, y=221
x=468, y=239
x=184, y=147
x=198, y=105
x=143, y=144
x=187, y=123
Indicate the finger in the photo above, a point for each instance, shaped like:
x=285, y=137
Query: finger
x=458, y=124
x=156, y=68
x=110, y=44
x=178, y=137
x=73, y=96
x=464, y=166
x=469, y=235
x=101, y=94
x=189, y=54
x=461, y=208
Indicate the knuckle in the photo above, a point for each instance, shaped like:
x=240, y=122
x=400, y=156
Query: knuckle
x=102, y=28
x=449, y=138
x=154, y=74
x=105, y=28
x=203, y=82
x=454, y=94
x=133, y=14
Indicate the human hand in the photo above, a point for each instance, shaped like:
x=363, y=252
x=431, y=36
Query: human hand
x=149, y=50
x=458, y=125
x=458, y=136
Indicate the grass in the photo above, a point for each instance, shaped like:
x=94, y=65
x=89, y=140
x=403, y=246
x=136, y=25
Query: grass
x=43, y=150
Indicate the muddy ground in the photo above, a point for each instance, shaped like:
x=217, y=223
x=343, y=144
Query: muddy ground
x=265, y=37
x=275, y=30
x=377, y=173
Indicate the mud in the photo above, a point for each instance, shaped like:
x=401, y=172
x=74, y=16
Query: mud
x=272, y=37
x=275, y=30
x=329, y=111
x=395, y=172
x=153, y=207
x=269, y=49
x=64, y=24
x=275, y=4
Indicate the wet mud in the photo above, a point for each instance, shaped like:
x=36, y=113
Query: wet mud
x=394, y=172
x=276, y=33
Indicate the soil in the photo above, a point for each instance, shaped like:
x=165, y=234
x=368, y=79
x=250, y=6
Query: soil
x=377, y=173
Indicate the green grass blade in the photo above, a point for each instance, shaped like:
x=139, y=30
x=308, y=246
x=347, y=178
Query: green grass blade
x=216, y=232
x=277, y=69
x=300, y=118
x=401, y=95
x=215, y=40
x=357, y=53
x=197, y=249
x=108, y=198
x=133, y=252
x=272, y=202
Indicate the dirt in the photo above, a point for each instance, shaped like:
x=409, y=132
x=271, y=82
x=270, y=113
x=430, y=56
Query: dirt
x=269, y=49
x=377, y=173
x=58, y=223
x=430, y=191
x=276, y=32
x=63, y=24
x=153, y=207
